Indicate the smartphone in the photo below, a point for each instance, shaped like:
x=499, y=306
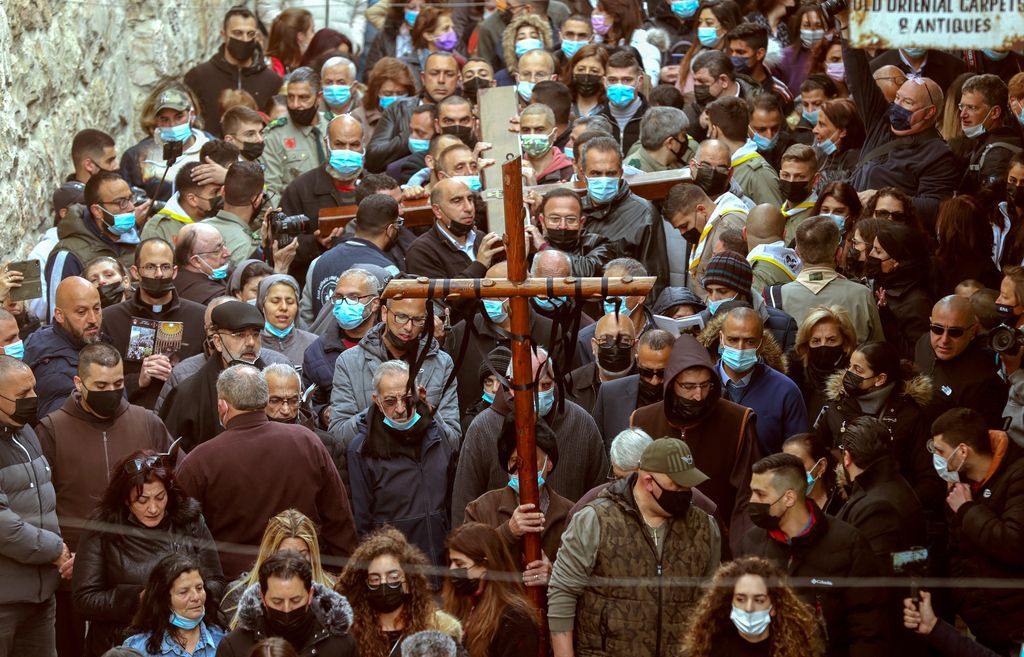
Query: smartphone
x=31, y=287
x=912, y=559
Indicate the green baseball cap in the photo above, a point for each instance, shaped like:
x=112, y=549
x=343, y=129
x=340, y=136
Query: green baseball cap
x=672, y=457
x=174, y=99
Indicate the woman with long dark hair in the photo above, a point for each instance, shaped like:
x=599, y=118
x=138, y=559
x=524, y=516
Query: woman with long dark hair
x=176, y=613
x=807, y=29
x=290, y=36
x=385, y=582
x=965, y=247
x=619, y=23
x=715, y=19
x=900, y=269
x=142, y=518
x=838, y=136
x=584, y=74
x=750, y=610
x=485, y=592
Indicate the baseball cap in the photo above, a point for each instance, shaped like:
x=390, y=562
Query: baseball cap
x=672, y=457
x=174, y=99
x=235, y=316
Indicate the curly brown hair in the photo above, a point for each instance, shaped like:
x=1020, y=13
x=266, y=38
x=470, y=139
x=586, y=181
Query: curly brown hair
x=793, y=630
x=417, y=612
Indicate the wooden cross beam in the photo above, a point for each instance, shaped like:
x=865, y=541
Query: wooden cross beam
x=518, y=289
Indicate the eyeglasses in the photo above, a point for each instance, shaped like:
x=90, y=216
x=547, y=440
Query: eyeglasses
x=648, y=373
x=253, y=333
x=217, y=249
x=391, y=402
x=953, y=331
x=970, y=108
x=556, y=220
x=609, y=343
x=152, y=269
x=402, y=319
x=355, y=298
x=143, y=464
x=393, y=580
x=121, y=203
x=690, y=387
x=897, y=216
x=723, y=169
x=281, y=401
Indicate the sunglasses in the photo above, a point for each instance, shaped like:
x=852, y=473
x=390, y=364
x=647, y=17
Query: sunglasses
x=953, y=331
x=143, y=464
x=649, y=373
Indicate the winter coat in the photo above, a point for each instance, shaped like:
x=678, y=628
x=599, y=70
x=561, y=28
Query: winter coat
x=118, y=324
x=390, y=139
x=330, y=638
x=328, y=268
x=592, y=253
x=210, y=78
x=723, y=442
x=188, y=367
x=970, y=380
x=821, y=286
x=583, y=385
x=318, y=364
x=198, y=287
x=907, y=307
x=905, y=415
x=293, y=345
x=82, y=449
x=580, y=451
x=352, y=386
x=986, y=535
x=855, y=618
x=79, y=241
x=30, y=539
x=114, y=559
x=812, y=382
x=986, y=172
x=777, y=323
x=253, y=449
x=382, y=470
x=634, y=228
x=630, y=134
x=495, y=508
x=433, y=255
x=559, y=169
x=52, y=353
x=616, y=401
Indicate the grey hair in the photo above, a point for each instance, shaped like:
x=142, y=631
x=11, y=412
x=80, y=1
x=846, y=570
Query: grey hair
x=540, y=109
x=554, y=252
x=429, y=643
x=304, y=74
x=387, y=368
x=283, y=370
x=339, y=61
x=540, y=351
x=243, y=388
x=632, y=267
x=628, y=447
x=595, y=122
x=660, y=123
x=368, y=278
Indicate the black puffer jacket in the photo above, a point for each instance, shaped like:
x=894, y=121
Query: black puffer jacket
x=855, y=617
x=115, y=556
x=208, y=79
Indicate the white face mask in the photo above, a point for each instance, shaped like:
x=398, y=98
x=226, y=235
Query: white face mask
x=751, y=623
x=941, y=466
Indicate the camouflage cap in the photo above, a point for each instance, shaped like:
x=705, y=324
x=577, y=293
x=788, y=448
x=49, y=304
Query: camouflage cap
x=174, y=99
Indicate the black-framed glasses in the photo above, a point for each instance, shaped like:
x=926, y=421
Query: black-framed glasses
x=144, y=464
x=391, y=402
x=648, y=373
x=721, y=168
x=124, y=203
x=952, y=331
x=402, y=319
x=621, y=343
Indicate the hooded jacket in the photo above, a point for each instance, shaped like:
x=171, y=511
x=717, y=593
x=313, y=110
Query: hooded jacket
x=209, y=79
x=559, y=169
x=82, y=448
x=30, y=539
x=905, y=414
x=331, y=636
x=723, y=440
x=79, y=241
x=352, y=387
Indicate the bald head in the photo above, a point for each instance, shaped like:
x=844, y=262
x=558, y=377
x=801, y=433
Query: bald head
x=713, y=152
x=345, y=133
x=765, y=224
x=614, y=325
x=889, y=79
x=923, y=98
x=551, y=263
x=954, y=314
x=498, y=270
x=78, y=309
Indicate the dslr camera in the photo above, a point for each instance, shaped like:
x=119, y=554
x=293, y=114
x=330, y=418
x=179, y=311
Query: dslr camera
x=284, y=228
x=832, y=8
x=1003, y=339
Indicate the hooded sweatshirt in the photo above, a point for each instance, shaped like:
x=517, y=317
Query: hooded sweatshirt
x=723, y=440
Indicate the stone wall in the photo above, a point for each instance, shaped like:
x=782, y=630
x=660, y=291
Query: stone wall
x=72, y=64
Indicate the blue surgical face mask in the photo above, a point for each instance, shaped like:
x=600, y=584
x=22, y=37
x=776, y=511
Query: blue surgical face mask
x=402, y=426
x=495, y=310
x=550, y=305
x=337, y=95
x=708, y=36
x=180, y=132
x=513, y=480
x=410, y=16
x=276, y=332
x=569, y=48
x=525, y=90
x=185, y=623
x=826, y=147
x=219, y=274
x=810, y=117
x=996, y=55
x=349, y=315
x=568, y=149
x=751, y=623
x=545, y=400
x=386, y=101
x=621, y=95
x=713, y=306
x=915, y=53
x=123, y=223
x=487, y=397
x=738, y=360
x=602, y=190
x=810, y=485
x=609, y=306
x=763, y=143
x=419, y=145
x=685, y=8
x=473, y=182
x=1020, y=116
x=346, y=162
x=16, y=350
x=839, y=220
x=526, y=45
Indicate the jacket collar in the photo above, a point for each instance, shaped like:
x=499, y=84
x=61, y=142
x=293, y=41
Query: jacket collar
x=137, y=305
x=247, y=421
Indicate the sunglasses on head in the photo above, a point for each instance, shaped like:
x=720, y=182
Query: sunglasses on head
x=953, y=331
x=144, y=464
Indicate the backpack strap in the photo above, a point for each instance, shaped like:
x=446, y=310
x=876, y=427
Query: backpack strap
x=773, y=296
x=984, y=153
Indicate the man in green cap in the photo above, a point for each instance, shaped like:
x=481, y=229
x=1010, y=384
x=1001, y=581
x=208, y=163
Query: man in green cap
x=643, y=526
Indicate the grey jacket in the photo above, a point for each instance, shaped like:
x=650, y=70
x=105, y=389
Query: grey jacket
x=292, y=346
x=1015, y=407
x=29, y=536
x=352, y=387
x=193, y=364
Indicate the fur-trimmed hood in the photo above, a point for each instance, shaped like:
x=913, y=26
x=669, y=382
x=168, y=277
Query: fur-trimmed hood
x=508, y=37
x=331, y=609
x=770, y=352
x=917, y=389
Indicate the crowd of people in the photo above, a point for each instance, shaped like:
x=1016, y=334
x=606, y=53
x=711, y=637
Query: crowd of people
x=220, y=437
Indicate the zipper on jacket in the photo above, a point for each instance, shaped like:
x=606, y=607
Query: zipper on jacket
x=657, y=646
x=106, y=455
x=33, y=483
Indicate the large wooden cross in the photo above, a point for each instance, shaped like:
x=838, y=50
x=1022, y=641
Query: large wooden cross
x=518, y=289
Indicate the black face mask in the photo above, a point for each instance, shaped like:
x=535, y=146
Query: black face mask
x=463, y=133
x=614, y=357
x=760, y=515
x=104, y=402
x=795, y=191
x=649, y=393
x=251, y=150
x=156, y=287
x=111, y=293
x=692, y=236
x=676, y=503
x=471, y=89
x=1015, y=196
x=564, y=239
x=702, y=94
x=587, y=84
x=294, y=626
x=397, y=343
x=852, y=383
x=241, y=50
x=459, y=229
x=216, y=205
x=24, y=410
x=712, y=181
x=873, y=267
x=690, y=411
x=1006, y=315
x=386, y=599
x=462, y=583
x=826, y=358
x=303, y=117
